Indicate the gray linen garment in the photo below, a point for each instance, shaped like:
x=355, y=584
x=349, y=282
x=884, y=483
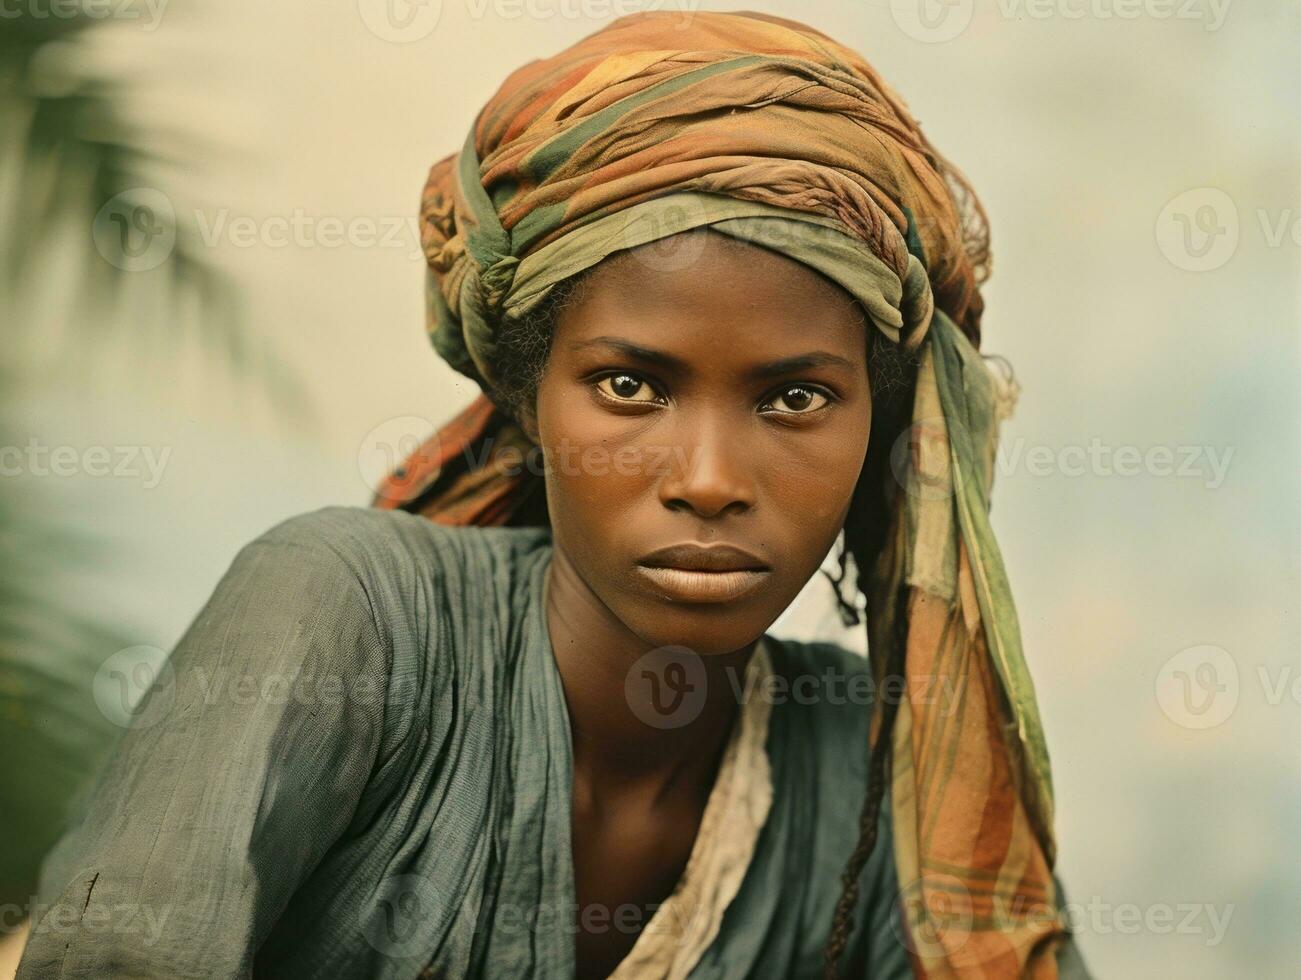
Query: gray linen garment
x=358, y=765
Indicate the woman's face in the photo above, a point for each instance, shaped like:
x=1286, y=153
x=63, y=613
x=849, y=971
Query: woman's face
x=719, y=403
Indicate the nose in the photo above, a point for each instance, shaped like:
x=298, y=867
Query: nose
x=710, y=470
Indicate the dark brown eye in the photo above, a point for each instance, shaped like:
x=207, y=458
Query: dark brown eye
x=626, y=387
x=797, y=400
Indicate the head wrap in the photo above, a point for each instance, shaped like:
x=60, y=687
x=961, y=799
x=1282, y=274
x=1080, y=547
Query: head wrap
x=769, y=131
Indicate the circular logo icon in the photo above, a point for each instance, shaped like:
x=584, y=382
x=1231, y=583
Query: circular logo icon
x=1198, y=687
x=122, y=681
x=399, y=924
x=399, y=456
x=666, y=687
x=657, y=237
x=920, y=458
x=400, y=21
x=932, y=21
x=135, y=230
x=936, y=917
x=1198, y=231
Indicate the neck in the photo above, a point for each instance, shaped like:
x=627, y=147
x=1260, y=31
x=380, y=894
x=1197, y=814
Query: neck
x=615, y=748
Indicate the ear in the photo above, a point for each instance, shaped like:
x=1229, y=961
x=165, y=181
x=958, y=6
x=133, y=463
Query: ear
x=529, y=423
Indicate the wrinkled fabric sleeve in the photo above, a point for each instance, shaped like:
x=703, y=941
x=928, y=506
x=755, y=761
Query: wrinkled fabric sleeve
x=241, y=766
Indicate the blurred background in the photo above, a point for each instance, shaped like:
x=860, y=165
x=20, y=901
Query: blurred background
x=211, y=298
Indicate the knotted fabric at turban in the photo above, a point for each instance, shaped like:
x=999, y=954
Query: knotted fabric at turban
x=764, y=129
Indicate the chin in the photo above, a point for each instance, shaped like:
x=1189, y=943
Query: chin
x=705, y=644
x=707, y=629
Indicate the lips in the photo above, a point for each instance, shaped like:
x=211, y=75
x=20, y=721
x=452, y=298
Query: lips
x=697, y=573
x=704, y=558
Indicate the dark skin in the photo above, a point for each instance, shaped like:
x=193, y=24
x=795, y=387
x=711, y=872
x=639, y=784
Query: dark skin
x=701, y=436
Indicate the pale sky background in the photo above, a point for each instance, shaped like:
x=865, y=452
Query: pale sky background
x=1077, y=132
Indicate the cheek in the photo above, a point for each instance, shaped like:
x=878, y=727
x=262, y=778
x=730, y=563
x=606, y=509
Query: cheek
x=812, y=475
x=596, y=469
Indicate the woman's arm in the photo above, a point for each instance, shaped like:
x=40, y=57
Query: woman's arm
x=245, y=761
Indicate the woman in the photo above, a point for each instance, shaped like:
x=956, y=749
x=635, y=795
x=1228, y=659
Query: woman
x=722, y=298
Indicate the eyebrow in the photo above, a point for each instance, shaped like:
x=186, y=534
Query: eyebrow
x=649, y=355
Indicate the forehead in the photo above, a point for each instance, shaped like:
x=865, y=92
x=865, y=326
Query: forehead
x=706, y=291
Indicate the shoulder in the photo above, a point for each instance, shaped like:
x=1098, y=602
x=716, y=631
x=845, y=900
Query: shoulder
x=399, y=565
x=421, y=595
x=385, y=543
x=828, y=674
x=824, y=692
x=804, y=656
